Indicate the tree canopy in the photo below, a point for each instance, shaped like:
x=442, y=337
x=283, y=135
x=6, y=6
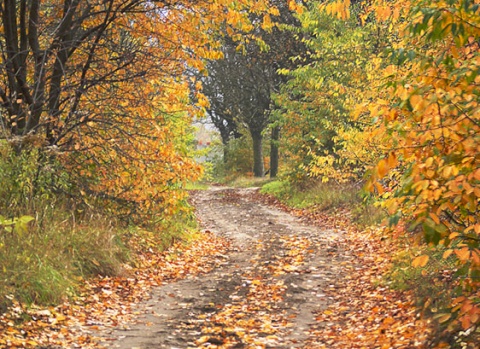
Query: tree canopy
x=391, y=100
x=240, y=85
x=103, y=85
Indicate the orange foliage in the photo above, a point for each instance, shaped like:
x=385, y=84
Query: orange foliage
x=112, y=92
x=428, y=125
x=432, y=123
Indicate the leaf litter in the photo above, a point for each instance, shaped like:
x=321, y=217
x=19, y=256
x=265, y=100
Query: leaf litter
x=106, y=302
x=347, y=304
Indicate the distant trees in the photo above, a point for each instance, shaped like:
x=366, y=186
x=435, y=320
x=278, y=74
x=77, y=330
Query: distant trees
x=240, y=86
x=102, y=85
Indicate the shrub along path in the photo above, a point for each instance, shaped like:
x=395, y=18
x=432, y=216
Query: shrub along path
x=258, y=277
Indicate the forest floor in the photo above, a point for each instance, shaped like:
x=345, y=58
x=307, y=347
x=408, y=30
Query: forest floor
x=260, y=276
x=284, y=282
x=271, y=278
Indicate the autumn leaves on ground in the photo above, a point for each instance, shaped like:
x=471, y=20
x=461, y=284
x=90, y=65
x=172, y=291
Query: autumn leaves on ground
x=365, y=114
x=268, y=280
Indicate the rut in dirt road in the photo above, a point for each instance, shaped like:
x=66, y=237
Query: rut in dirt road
x=263, y=295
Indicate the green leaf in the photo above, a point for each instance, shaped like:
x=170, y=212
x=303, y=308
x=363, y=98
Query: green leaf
x=25, y=219
x=431, y=234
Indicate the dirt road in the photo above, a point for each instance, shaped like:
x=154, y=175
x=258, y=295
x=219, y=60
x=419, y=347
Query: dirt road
x=263, y=295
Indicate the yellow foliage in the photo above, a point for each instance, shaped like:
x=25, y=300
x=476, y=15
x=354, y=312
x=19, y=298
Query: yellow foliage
x=421, y=112
x=134, y=149
x=420, y=261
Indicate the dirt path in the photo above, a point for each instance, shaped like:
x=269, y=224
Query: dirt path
x=263, y=294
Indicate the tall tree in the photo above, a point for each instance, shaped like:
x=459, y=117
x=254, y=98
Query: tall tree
x=240, y=86
x=323, y=140
x=103, y=82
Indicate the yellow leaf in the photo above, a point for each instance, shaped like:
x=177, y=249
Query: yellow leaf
x=476, y=174
x=447, y=253
x=267, y=22
x=420, y=261
x=94, y=261
x=379, y=188
x=447, y=171
x=429, y=162
x=444, y=318
x=289, y=268
x=463, y=254
x=434, y=217
x=392, y=160
x=388, y=320
x=417, y=102
x=60, y=317
x=453, y=235
x=202, y=340
x=382, y=168
x=476, y=257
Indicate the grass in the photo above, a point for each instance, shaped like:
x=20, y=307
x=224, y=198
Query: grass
x=196, y=186
x=42, y=265
x=323, y=196
x=61, y=241
x=326, y=197
x=235, y=180
x=248, y=181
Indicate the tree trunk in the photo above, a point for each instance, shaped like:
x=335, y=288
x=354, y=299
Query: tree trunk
x=224, y=134
x=225, y=153
x=274, y=152
x=258, y=169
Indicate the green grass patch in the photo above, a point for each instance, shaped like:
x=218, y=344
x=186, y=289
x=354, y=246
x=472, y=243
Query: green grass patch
x=248, y=182
x=176, y=228
x=42, y=265
x=48, y=240
x=326, y=197
x=44, y=262
x=323, y=196
x=196, y=186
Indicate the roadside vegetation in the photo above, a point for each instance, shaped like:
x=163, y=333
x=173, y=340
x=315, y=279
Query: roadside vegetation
x=367, y=110
x=329, y=197
x=50, y=241
x=96, y=142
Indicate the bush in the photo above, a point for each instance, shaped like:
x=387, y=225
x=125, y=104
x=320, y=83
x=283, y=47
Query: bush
x=47, y=242
x=43, y=265
x=280, y=189
x=29, y=179
x=238, y=161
